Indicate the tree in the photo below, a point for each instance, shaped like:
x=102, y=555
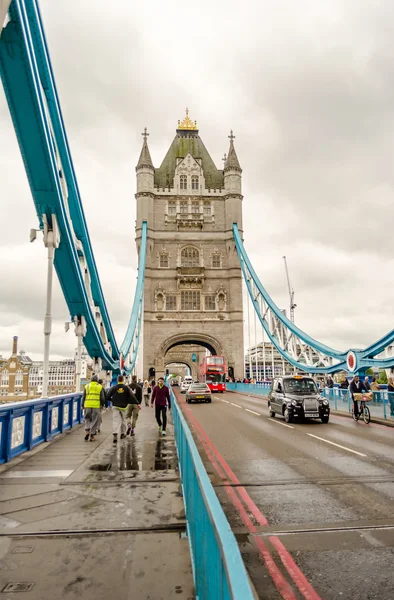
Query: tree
x=370, y=371
x=382, y=377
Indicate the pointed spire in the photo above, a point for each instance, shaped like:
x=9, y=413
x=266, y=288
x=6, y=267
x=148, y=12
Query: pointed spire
x=232, y=161
x=145, y=158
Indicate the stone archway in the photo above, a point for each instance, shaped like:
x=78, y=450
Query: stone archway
x=167, y=350
x=199, y=339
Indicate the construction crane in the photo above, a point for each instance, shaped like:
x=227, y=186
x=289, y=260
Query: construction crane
x=291, y=292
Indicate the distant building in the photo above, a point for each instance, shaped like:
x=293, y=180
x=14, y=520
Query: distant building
x=14, y=374
x=61, y=377
x=21, y=378
x=270, y=363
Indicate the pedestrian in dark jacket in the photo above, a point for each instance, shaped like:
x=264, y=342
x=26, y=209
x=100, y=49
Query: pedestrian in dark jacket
x=120, y=396
x=160, y=398
x=345, y=384
x=133, y=410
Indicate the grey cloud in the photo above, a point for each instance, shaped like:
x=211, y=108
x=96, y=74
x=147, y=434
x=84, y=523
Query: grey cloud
x=308, y=91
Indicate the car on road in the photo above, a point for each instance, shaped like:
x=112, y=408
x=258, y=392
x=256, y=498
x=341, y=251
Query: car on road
x=185, y=384
x=296, y=396
x=198, y=392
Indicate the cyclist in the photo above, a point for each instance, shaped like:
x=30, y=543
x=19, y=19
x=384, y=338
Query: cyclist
x=356, y=387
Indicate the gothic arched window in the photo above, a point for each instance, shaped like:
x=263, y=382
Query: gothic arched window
x=19, y=377
x=195, y=208
x=164, y=260
x=190, y=257
x=216, y=260
x=183, y=208
x=195, y=182
x=207, y=209
x=183, y=182
x=4, y=377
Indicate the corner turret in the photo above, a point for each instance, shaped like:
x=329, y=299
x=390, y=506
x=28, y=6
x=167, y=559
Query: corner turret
x=145, y=169
x=232, y=170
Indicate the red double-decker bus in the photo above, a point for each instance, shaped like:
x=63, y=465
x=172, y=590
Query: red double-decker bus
x=213, y=373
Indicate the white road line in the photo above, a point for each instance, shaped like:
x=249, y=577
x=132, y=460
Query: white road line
x=337, y=445
x=221, y=400
x=253, y=412
x=237, y=405
x=280, y=423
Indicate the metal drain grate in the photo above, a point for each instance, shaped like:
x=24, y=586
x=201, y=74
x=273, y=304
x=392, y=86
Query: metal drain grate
x=22, y=549
x=18, y=587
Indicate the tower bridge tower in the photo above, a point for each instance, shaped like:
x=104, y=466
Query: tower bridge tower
x=193, y=280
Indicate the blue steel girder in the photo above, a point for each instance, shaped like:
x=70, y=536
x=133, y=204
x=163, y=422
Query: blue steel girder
x=38, y=140
x=297, y=347
x=130, y=344
x=74, y=200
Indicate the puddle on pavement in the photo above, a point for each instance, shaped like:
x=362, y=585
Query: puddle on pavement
x=136, y=455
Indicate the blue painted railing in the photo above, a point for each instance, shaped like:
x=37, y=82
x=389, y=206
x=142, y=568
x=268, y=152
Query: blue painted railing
x=24, y=425
x=382, y=406
x=249, y=388
x=219, y=571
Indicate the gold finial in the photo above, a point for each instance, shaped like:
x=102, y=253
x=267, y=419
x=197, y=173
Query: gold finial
x=145, y=134
x=187, y=123
x=231, y=136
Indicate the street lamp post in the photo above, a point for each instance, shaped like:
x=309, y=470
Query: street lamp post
x=51, y=242
x=80, y=332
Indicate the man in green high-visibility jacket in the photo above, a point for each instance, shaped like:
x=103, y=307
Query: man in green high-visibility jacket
x=92, y=400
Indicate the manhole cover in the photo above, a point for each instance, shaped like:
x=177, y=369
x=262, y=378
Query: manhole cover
x=22, y=549
x=18, y=587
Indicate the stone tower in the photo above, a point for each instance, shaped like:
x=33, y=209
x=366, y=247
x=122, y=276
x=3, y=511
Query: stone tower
x=193, y=280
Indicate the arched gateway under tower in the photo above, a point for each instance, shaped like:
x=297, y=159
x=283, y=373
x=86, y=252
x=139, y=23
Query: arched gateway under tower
x=193, y=280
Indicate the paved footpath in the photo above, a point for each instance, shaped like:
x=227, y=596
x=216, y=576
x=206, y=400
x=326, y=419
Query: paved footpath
x=87, y=520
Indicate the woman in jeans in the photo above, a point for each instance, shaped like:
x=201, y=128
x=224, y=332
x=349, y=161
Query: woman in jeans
x=146, y=392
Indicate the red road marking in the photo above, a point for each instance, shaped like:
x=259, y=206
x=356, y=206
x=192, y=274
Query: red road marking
x=279, y=580
x=294, y=571
x=261, y=520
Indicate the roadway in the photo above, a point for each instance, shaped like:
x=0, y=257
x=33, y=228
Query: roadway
x=310, y=504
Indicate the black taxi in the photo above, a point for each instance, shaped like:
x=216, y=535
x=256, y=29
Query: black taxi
x=297, y=396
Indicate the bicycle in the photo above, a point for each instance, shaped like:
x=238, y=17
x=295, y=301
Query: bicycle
x=364, y=411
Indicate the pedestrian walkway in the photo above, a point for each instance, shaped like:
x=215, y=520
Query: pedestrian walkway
x=87, y=520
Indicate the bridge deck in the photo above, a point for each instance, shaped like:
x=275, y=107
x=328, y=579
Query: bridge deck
x=82, y=519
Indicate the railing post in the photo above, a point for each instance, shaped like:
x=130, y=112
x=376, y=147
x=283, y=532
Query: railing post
x=384, y=405
x=9, y=436
x=29, y=423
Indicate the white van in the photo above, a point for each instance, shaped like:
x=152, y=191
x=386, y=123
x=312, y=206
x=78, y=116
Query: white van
x=185, y=384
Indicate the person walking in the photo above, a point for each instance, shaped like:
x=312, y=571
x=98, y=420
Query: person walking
x=146, y=392
x=160, y=398
x=92, y=400
x=100, y=420
x=133, y=410
x=390, y=389
x=121, y=396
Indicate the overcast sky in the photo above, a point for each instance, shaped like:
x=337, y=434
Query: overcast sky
x=307, y=88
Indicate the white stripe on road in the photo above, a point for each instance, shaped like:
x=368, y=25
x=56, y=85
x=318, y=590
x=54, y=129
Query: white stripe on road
x=334, y=444
x=226, y=401
x=280, y=423
x=237, y=405
x=253, y=412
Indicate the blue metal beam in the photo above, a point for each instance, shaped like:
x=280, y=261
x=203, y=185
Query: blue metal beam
x=37, y=140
